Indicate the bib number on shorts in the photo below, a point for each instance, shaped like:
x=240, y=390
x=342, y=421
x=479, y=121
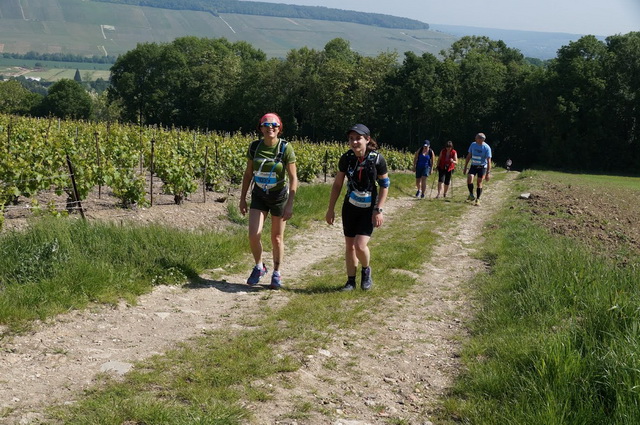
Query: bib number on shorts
x=361, y=199
x=265, y=180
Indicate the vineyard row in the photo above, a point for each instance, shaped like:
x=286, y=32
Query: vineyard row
x=35, y=152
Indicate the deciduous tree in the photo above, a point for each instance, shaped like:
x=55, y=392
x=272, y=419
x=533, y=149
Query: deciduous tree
x=15, y=99
x=68, y=99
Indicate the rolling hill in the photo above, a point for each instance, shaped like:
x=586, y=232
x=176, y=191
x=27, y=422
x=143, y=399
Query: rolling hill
x=96, y=28
x=101, y=27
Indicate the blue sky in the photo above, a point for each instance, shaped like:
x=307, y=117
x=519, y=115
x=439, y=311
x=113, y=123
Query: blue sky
x=597, y=17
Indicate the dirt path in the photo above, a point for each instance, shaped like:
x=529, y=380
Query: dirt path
x=402, y=360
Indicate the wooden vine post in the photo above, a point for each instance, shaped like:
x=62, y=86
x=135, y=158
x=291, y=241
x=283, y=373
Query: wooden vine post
x=204, y=175
x=9, y=137
x=325, y=165
x=99, y=166
x=75, y=187
x=152, y=170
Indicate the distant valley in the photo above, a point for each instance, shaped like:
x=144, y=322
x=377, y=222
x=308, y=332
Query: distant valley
x=98, y=28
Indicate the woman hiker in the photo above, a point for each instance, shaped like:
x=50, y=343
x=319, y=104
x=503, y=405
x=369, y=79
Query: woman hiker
x=362, y=209
x=271, y=165
x=446, y=164
x=422, y=161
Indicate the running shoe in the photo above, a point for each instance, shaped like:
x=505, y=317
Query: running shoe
x=276, y=280
x=422, y=196
x=256, y=274
x=366, y=282
x=349, y=286
x=471, y=198
x=477, y=202
x=417, y=193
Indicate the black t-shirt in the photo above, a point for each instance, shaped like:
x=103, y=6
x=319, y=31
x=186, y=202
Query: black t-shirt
x=362, y=175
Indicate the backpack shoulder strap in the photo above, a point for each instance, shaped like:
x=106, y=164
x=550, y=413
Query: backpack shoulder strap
x=253, y=148
x=283, y=147
x=373, y=159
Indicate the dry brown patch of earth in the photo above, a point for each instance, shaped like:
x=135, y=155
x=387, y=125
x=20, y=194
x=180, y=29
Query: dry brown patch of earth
x=606, y=220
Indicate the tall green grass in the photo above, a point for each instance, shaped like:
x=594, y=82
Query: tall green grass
x=60, y=264
x=557, y=336
x=57, y=265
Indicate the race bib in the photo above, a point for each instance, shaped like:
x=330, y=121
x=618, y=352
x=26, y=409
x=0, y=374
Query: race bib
x=361, y=199
x=265, y=180
x=476, y=160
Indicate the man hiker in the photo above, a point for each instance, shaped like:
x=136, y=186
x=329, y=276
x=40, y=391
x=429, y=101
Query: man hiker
x=480, y=156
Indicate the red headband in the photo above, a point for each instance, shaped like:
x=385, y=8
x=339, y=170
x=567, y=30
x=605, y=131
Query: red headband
x=271, y=117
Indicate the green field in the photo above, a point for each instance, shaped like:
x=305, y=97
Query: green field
x=54, y=71
x=55, y=74
x=94, y=28
x=602, y=181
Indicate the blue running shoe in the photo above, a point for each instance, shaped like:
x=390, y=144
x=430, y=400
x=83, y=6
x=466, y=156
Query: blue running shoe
x=366, y=282
x=256, y=274
x=276, y=280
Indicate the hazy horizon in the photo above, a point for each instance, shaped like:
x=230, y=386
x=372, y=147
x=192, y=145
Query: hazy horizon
x=597, y=17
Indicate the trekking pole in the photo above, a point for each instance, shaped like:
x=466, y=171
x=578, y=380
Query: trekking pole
x=433, y=183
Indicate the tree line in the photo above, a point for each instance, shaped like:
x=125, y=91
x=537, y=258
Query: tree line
x=578, y=111
x=216, y=7
x=59, y=57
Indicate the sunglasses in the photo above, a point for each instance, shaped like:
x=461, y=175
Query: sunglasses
x=270, y=124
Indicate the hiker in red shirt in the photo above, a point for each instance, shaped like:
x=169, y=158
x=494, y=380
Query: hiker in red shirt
x=446, y=164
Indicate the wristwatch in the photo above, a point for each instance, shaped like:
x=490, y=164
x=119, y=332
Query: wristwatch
x=377, y=209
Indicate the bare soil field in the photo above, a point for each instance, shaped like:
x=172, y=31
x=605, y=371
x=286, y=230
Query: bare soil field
x=603, y=219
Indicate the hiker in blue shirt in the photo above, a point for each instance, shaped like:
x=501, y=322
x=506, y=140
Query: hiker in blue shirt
x=480, y=157
x=422, y=163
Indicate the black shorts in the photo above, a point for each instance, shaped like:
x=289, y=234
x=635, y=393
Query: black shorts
x=356, y=221
x=272, y=202
x=478, y=170
x=444, y=176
